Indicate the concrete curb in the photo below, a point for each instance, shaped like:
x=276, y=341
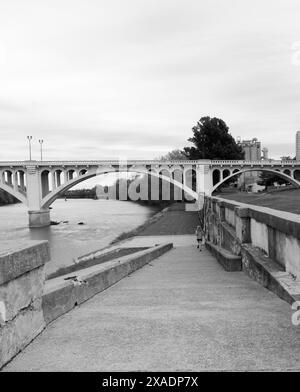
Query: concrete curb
x=228, y=261
x=61, y=295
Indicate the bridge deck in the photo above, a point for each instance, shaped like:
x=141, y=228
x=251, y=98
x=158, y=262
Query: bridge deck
x=182, y=312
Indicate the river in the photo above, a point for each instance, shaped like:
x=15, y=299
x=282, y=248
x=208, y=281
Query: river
x=103, y=221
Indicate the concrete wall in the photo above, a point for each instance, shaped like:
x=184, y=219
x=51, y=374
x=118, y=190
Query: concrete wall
x=276, y=233
x=21, y=289
x=61, y=295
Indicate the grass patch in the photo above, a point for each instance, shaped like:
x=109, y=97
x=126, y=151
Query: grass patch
x=287, y=200
x=132, y=233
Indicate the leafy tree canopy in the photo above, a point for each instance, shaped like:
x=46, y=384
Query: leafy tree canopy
x=212, y=140
x=288, y=158
x=268, y=179
x=174, y=155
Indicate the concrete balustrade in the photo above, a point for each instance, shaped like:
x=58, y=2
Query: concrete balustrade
x=21, y=288
x=266, y=240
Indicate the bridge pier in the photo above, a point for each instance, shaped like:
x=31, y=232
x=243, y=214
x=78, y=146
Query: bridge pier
x=40, y=218
x=204, y=180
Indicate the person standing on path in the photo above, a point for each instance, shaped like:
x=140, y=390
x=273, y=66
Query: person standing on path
x=200, y=238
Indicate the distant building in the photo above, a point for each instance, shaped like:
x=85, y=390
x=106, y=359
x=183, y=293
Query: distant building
x=298, y=146
x=265, y=152
x=255, y=188
x=251, y=148
x=253, y=152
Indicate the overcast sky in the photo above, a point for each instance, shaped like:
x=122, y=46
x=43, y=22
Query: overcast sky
x=108, y=79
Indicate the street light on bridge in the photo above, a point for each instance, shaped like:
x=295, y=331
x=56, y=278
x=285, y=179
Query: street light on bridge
x=41, y=141
x=29, y=141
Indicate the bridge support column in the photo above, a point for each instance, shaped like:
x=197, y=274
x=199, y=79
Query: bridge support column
x=22, y=180
x=9, y=178
x=39, y=218
x=204, y=180
x=16, y=187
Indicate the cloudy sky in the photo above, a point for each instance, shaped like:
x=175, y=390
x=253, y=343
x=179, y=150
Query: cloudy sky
x=107, y=79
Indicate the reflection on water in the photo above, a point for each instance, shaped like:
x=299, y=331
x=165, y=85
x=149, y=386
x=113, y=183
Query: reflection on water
x=104, y=220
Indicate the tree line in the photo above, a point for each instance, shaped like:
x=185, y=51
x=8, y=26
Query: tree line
x=211, y=140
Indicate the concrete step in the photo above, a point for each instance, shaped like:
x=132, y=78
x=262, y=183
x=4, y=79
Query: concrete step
x=228, y=261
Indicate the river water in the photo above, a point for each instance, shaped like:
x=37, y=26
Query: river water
x=103, y=221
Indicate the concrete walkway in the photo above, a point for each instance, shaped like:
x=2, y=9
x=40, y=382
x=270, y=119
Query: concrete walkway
x=182, y=312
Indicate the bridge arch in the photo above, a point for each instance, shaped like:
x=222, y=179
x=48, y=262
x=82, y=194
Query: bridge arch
x=18, y=195
x=296, y=174
x=70, y=174
x=45, y=182
x=276, y=172
x=54, y=194
x=83, y=172
x=216, y=176
x=226, y=173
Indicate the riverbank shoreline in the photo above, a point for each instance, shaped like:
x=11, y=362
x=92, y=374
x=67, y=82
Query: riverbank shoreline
x=104, y=221
x=175, y=219
x=132, y=233
x=113, y=244
x=172, y=220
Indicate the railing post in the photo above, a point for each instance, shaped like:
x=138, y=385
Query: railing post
x=222, y=211
x=272, y=243
x=242, y=224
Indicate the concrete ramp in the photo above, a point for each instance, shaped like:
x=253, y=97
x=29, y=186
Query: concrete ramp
x=63, y=293
x=181, y=312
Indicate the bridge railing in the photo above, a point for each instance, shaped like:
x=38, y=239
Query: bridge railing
x=97, y=162
x=255, y=163
x=199, y=162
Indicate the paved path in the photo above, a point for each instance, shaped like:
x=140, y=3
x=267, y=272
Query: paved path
x=182, y=312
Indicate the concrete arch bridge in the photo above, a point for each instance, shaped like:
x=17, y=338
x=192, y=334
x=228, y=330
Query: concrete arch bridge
x=38, y=184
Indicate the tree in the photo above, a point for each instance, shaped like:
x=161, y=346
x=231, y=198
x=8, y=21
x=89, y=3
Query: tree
x=288, y=158
x=212, y=140
x=268, y=179
x=174, y=155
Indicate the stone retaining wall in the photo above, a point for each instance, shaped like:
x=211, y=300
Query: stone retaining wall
x=276, y=233
x=21, y=289
x=266, y=240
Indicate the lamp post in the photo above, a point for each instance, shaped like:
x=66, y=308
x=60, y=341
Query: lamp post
x=41, y=141
x=29, y=141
